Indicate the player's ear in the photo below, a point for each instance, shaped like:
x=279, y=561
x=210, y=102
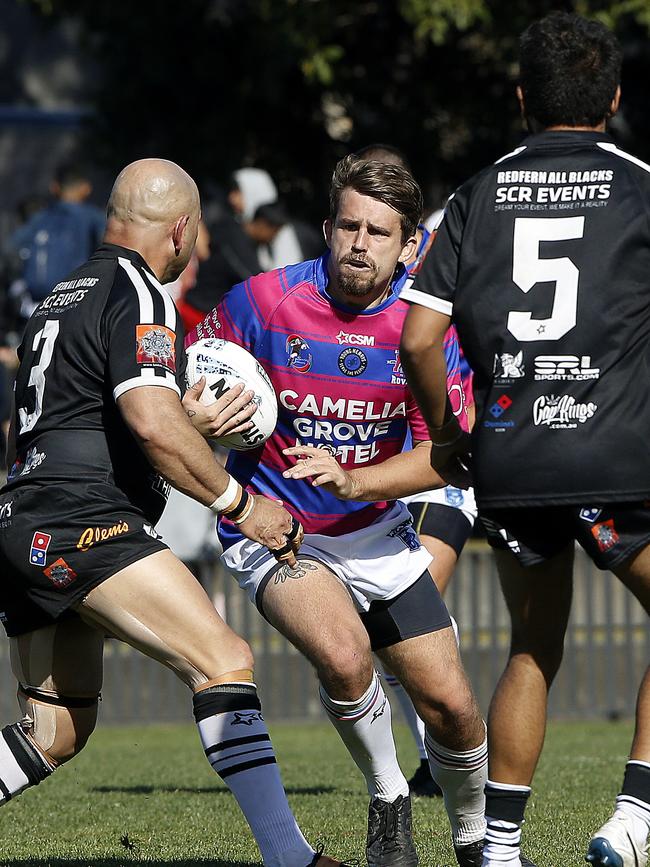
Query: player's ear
x=178, y=231
x=408, y=249
x=615, y=102
x=327, y=231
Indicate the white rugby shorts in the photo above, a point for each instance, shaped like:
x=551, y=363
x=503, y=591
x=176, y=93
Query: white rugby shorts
x=377, y=562
x=456, y=498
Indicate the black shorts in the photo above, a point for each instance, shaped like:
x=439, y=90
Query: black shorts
x=417, y=610
x=446, y=523
x=609, y=534
x=57, y=543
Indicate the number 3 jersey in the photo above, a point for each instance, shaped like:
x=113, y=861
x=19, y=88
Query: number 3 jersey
x=543, y=262
x=108, y=328
x=339, y=382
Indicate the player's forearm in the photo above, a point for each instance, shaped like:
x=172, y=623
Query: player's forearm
x=173, y=447
x=423, y=358
x=425, y=367
x=400, y=476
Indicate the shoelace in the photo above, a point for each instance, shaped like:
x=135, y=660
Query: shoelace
x=320, y=850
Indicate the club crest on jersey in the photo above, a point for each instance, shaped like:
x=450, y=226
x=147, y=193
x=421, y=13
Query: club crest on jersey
x=60, y=574
x=38, y=549
x=508, y=366
x=298, y=355
x=407, y=535
x=155, y=347
x=454, y=496
x=605, y=534
x=352, y=361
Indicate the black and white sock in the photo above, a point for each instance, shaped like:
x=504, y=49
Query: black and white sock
x=504, y=812
x=21, y=764
x=634, y=800
x=237, y=745
x=462, y=777
x=365, y=728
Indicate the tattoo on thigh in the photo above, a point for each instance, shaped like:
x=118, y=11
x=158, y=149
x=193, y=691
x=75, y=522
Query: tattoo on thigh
x=298, y=571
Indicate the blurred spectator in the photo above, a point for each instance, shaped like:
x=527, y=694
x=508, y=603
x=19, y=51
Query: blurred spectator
x=257, y=234
x=57, y=238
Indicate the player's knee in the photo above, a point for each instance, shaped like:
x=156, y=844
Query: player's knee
x=237, y=656
x=542, y=649
x=346, y=667
x=58, y=725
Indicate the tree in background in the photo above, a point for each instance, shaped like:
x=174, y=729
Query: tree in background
x=292, y=85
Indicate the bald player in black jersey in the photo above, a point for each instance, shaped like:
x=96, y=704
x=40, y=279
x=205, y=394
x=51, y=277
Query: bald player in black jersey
x=544, y=258
x=99, y=433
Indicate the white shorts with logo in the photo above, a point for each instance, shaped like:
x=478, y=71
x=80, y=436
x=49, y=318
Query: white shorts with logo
x=375, y=563
x=456, y=498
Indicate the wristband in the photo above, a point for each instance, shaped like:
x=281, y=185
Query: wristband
x=229, y=497
x=455, y=427
x=243, y=512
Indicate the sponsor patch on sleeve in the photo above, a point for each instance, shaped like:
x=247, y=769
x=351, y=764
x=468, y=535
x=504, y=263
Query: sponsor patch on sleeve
x=155, y=347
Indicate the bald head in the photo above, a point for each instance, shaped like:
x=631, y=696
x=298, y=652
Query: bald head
x=152, y=191
x=154, y=208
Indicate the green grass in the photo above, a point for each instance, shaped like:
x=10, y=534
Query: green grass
x=151, y=788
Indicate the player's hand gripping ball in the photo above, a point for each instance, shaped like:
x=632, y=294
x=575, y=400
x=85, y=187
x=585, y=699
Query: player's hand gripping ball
x=224, y=364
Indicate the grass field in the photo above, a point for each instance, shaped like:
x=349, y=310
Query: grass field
x=147, y=796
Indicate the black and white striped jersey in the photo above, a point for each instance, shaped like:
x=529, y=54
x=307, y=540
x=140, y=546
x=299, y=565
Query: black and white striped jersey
x=108, y=328
x=543, y=262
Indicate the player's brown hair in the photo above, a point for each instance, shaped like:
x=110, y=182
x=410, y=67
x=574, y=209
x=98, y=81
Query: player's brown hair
x=393, y=185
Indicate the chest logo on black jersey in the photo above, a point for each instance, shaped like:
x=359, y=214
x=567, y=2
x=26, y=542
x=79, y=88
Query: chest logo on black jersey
x=352, y=361
x=509, y=366
x=298, y=355
x=155, y=347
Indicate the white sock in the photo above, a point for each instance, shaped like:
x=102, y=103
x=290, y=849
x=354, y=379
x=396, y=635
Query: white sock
x=462, y=777
x=364, y=726
x=237, y=745
x=504, y=815
x=415, y=724
x=633, y=802
x=21, y=763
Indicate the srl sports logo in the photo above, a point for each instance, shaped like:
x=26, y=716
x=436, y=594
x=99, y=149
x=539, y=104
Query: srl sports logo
x=565, y=367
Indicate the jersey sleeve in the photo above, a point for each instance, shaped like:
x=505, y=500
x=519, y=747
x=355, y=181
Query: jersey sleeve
x=242, y=313
x=435, y=283
x=142, y=333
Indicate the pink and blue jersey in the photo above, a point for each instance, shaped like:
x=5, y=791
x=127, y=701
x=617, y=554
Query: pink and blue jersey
x=339, y=382
x=461, y=395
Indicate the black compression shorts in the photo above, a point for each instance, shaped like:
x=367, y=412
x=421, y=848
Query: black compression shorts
x=447, y=523
x=57, y=543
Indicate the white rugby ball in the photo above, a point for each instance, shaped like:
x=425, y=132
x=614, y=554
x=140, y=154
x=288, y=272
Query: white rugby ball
x=225, y=364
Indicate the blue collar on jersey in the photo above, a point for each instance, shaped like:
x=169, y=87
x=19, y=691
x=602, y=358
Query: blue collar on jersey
x=321, y=279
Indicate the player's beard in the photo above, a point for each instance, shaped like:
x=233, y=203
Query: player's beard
x=357, y=284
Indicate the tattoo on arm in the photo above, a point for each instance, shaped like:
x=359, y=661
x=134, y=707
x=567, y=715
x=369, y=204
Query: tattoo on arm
x=191, y=413
x=299, y=571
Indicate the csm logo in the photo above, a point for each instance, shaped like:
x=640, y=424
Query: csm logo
x=355, y=339
x=563, y=367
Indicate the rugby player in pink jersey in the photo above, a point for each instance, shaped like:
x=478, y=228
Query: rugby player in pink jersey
x=327, y=332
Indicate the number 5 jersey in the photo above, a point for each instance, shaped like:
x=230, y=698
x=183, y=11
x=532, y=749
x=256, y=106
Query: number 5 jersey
x=543, y=262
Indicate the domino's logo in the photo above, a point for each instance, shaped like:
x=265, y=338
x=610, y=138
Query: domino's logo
x=38, y=548
x=503, y=403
